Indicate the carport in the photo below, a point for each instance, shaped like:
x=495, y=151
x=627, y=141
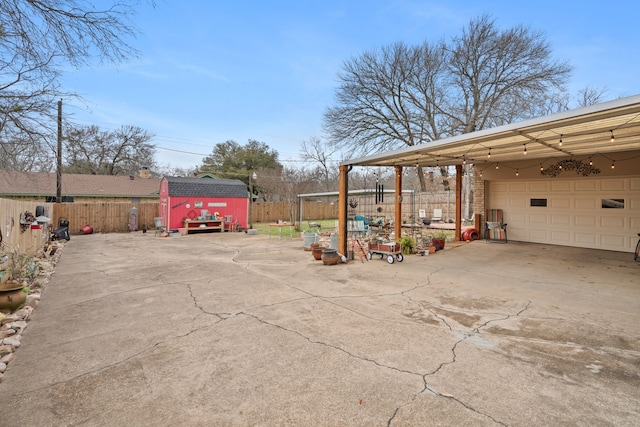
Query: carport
x=598, y=144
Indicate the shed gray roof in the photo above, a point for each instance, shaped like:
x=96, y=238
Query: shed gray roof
x=206, y=187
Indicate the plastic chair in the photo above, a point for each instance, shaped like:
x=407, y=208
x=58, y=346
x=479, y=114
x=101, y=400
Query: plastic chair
x=495, y=229
x=160, y=228
x=365, y=221
x=229, y=224
x=437, y=215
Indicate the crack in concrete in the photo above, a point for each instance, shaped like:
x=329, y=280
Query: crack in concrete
x=454, y=356
x=93, y=371
x=331, y=300
x=340, y=349
x=221, y=316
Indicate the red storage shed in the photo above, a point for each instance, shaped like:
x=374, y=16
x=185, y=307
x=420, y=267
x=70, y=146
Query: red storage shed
x=182, y=198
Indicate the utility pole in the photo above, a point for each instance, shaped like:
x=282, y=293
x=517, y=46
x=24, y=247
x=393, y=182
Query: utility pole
x=59, y=156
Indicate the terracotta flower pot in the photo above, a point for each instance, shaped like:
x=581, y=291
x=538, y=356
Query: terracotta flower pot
x=11, y=297
x=438, y=243
x=330, y=257
x=316, y=251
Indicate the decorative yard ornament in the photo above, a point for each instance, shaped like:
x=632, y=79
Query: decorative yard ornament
x=581, y=168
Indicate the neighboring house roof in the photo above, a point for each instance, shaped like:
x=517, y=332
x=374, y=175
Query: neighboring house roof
x=206, y=187
x=14, y=183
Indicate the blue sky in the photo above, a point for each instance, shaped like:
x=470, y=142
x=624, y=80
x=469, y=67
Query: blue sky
x=216, y=70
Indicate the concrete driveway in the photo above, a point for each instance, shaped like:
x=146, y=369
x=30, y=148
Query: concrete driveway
x=228, y=329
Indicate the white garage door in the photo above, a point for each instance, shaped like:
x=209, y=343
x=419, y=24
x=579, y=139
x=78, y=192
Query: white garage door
x=594, y=213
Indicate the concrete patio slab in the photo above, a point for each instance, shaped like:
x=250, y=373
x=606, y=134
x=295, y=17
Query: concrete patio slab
x=232, y=329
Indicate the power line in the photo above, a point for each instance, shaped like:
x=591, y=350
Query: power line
x=205, y=155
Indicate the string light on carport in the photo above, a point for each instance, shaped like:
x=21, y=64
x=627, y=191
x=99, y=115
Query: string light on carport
x=560, y=142
x=489, y=154
x=525, y=150
x=613, y=138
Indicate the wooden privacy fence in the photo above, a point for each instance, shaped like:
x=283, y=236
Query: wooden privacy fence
x=115, y=217
x=105, y=217
x=14, y=239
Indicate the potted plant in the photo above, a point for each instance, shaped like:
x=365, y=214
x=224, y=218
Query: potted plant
x=407, y=244
x=438, y=239
x=20, y=268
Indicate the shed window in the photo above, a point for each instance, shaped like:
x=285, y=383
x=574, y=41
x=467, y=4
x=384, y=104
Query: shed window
x=539, y=202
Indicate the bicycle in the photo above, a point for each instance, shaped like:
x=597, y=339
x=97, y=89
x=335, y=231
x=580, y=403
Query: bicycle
x=636, y=254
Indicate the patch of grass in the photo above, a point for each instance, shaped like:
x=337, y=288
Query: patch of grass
x=326, y=225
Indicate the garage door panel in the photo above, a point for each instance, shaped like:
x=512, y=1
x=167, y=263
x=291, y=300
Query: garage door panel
x=586, y=239
x=516, y=218
x=559, y=219
x=613, y=185
x=538, y=187
x=519, y=234
x=518, y=187
x=561, y=186
x=586, y=185
x=613, y=242
x=560, y=203
x=574, y=215
x=583, y=203
x=538, y=235
x=585, y=220
x=615, y=223
x=560, y=237
x=518, y=202
x=537, y=219
x=499, y=187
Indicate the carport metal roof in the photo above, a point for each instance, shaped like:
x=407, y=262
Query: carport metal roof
x=581, y=132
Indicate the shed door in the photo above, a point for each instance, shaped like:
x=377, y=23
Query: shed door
x=585, y=212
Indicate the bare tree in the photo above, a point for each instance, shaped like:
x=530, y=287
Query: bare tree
x=320, y=152
x=38, y=37
x=284, y=184
x=405, y=96
x=496, y=74
x=88, y=150
x=166, y=169
x=590, y=96
x=24, y=156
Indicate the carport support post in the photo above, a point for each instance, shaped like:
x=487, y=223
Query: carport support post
x=397, y=225
x=458, y=233
x=343, y=190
